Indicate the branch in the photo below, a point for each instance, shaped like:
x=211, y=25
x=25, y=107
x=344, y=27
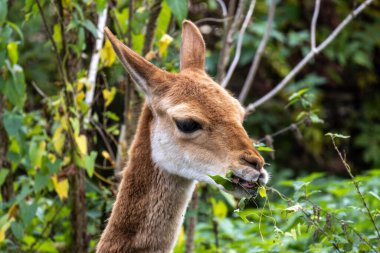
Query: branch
x=256, y=61
x=251, y=107
x=224, y=12
x=192, y=220
x=95, y=60
x=154, y=10
x=239, y=44
x=229, y=30
x=314, y=23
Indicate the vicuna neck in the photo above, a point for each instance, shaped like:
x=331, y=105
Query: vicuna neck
x=150, y=205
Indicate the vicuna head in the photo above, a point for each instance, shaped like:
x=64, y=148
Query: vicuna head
x=197, y=125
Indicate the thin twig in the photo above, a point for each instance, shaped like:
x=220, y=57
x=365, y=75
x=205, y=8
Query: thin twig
x=224, y=12
x=154, y=11
x=251, y=107
x=283, y=130
x=256, y=61
x=356, y=184
x=39, y=90
x=215, y=20
x=104, y=138
x=314, y=24
x=239, y=44
x=228, y=33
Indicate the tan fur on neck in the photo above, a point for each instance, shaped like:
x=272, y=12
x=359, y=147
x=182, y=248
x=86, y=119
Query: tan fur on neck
x=150, y=204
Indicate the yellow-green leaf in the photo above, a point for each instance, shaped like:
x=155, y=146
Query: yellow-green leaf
x=36, y=152
x=163, y=44
x=5, y=223
x=57, y=36
x=58, y=139
x=61, y=187
x=12, y=50
x=262, y=192
x=109, y=95
x=107, y=55
x=81, y=142
x=79, y=97
x=219, y=208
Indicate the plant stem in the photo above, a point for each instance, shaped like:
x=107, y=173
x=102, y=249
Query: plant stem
x=356, y=184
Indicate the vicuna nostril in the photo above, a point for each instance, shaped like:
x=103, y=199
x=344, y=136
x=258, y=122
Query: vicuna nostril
x=251, y=161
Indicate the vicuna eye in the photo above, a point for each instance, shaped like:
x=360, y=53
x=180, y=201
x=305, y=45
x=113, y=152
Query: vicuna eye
x=187, y=125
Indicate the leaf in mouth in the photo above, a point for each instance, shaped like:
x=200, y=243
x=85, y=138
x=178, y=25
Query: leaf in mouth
x=226, y=183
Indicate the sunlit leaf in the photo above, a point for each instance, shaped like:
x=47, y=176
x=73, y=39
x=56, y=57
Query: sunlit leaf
x=61, y=187
x=58, y=139
x=36, y=152
x=265, y=149
x=5, y=223
x=12, y=49
x=109, y=95
x=107, y=54
x=262, y=192
x=163, y=44
x=219, y=208
x=81, y=142
x=57, y=36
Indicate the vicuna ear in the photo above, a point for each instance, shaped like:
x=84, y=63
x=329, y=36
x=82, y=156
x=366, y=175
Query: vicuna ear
x=138, y=68
x=193, y=47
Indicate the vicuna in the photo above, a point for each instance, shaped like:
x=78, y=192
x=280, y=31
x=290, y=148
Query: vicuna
x=189, y=128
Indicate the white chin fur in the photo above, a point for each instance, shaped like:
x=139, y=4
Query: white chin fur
x=167, y=155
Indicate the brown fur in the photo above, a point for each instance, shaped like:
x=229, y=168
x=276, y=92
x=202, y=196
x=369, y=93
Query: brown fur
x=151, y=201
x=149, y=204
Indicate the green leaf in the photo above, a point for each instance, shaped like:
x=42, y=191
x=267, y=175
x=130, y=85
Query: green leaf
x=335, y=135
x=298, y=94
x=27, y=212
x=90, y=27
x=242, y=203
x=3, y=10
x=227, y=184
x=265, y=149
x=179, y=8
x=36, y=152
x=12, y=123
x=371, y=192
x=41, y=181
x=89, y=163
x=14, y=88
x=3, y=175
x=17, y=230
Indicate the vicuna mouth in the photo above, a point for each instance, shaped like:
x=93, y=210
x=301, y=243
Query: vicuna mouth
x=243, y=183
